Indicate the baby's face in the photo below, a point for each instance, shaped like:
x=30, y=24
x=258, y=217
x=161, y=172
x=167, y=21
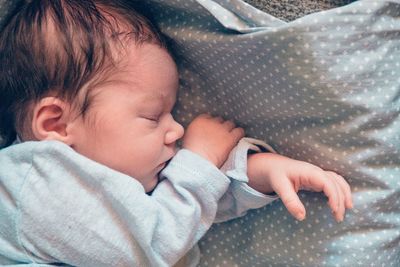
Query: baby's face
x=130, y=127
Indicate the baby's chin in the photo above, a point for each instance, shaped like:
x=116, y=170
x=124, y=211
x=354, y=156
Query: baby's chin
x=151, y=184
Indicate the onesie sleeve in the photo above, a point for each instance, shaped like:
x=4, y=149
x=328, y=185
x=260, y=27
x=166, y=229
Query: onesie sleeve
x=240, y=197
x=78, y=212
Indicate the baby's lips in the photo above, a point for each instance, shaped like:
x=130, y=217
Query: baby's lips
x=165, y=163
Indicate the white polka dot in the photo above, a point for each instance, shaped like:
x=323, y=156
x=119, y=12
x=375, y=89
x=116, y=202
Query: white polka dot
x=324, y=89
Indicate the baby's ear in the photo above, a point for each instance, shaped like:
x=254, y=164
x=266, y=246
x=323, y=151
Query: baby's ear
x=50, y=119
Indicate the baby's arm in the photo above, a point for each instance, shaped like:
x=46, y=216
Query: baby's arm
x=269, y=172
x=76, y=211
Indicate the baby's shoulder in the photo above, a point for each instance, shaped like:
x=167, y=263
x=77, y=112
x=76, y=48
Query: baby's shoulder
x=24, y=152
x=18, y=160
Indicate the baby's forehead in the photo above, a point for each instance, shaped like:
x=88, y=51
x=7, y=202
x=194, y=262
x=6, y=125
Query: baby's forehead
x=154, y=96
x=147, y=68
x=131, y=90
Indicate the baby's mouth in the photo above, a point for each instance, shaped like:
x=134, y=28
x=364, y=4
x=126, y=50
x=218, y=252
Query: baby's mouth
x=163, y=165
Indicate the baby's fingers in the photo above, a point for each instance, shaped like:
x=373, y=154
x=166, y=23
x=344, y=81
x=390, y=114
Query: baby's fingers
x=238, y=133
x=345, y=187
x=285, y=189
x=339, y=214
x=316, y=179
x=335, y=194
x=229, y=125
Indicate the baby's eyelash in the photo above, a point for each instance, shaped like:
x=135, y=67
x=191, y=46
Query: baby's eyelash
x=154, y=118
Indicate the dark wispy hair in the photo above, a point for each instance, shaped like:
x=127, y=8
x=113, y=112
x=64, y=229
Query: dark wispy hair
x=60, y=46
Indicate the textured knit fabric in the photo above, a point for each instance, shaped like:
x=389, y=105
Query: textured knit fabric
x=293, y=9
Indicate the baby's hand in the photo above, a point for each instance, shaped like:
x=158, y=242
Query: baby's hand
x=212, y=138
x=270, y=172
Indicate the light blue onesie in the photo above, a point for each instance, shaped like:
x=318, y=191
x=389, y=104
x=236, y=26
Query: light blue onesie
x=57, y=206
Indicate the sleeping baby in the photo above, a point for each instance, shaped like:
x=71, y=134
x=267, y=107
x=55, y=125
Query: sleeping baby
x=90, y=175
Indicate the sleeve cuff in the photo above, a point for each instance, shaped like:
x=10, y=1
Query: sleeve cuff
x=201, y=173
x=235, y=166
x=250, y=198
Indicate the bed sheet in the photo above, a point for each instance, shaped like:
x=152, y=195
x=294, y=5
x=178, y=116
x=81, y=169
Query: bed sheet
x=323, y=88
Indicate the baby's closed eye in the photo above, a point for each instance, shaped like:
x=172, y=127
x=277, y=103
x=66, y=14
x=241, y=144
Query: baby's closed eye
x=153, y=117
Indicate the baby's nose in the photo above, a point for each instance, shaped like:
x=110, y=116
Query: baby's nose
x=180, y=130
x=176, y=132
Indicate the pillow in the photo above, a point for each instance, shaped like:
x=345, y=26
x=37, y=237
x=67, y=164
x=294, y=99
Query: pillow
x=323, y=88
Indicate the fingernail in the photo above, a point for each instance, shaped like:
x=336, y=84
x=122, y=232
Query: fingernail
x=300, y=216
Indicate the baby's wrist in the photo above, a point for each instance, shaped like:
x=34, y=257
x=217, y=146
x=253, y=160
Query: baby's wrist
x=257, y=165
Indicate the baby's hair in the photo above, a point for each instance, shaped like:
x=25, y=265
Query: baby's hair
x=58, y=47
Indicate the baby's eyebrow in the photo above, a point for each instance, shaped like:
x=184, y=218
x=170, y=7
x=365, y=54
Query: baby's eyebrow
x=160, y=100
x=154, y=97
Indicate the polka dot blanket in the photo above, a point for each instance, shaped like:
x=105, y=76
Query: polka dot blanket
x=323, y=88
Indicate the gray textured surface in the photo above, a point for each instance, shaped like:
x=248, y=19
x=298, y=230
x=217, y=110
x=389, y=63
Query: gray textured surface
x=292, y=9
x=322, y=89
